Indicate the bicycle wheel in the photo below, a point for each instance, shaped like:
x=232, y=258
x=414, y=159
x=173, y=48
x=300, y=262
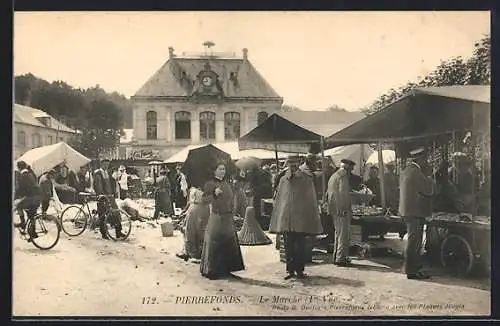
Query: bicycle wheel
x=47, y=229
x=112, y=219
x=74, y=220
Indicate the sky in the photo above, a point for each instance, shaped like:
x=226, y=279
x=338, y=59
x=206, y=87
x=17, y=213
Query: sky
x=311, y=59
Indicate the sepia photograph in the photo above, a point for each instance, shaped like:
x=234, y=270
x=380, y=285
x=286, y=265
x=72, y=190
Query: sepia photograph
x=251, y=164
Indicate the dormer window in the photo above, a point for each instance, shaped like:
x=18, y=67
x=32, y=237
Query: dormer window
x=45, y=121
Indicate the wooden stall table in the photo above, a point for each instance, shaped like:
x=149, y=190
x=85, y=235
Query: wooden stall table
x=464, y=247
x=377, y=225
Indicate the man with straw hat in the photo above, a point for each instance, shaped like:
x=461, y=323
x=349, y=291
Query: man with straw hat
x=295, y=215
x=415, y=204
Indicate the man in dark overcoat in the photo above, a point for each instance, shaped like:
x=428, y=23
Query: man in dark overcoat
x=415, y=204
x=295, y=215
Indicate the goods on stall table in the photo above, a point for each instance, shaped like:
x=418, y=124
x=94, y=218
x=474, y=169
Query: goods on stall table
x=482, y=220
x=451, y=217
x=360, y=210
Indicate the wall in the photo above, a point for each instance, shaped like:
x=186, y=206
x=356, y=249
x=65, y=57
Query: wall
x=29, y=131
x=166, y=121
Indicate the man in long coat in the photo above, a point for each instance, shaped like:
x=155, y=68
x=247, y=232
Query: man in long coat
x=295, y=215
x=415, y=204
x=339, y=207
x=105, y=186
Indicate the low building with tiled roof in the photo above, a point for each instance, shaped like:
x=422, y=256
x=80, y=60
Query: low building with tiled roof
x=205, y=98
x=35, y=128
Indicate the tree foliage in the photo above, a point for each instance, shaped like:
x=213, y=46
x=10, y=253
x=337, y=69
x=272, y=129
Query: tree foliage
x=456, y=71
x=98, y=115
x=289, y=108
x=335, y=108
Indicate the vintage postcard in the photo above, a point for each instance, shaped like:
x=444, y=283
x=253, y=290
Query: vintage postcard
x=208, y=164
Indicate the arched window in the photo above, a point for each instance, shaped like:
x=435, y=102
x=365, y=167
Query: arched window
x=36, y=140
x=21, y=138
x=207, y=125
x=151, y=125
x=182, y=125
x=261, y=117
x=231, y=125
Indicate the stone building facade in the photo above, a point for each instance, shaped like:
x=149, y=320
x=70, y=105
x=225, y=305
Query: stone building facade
x=207, y=98
x=35, y=128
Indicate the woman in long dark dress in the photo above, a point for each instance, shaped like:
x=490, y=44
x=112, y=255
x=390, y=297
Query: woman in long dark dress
x=221, y=252
x=163, y=196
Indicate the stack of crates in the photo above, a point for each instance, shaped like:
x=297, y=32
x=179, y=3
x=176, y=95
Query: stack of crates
x=355, y=235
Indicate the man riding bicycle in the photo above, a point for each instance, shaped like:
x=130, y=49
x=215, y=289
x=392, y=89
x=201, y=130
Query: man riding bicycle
x=28, y=191
x=105, y=188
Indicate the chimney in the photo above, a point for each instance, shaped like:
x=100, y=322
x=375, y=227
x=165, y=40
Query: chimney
x=171, y=52
x=245, y=54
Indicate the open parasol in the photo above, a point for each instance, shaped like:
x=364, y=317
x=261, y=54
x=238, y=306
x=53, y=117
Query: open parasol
x=202, y=161
x=42, y=159
x=248, y=163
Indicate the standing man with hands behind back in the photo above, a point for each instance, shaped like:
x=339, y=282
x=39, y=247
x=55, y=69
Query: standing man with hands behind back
x=339, y=207
x=295, y=215
x=415, y=204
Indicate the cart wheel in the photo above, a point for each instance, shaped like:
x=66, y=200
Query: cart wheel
x=457, y=255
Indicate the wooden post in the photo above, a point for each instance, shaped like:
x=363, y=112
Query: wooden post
x=453, y=150
x=362, y=160
x=275, y=144
x=473, y=145
x=323, y=176
x=434, y=159
x=276, y=155
x=381, y=173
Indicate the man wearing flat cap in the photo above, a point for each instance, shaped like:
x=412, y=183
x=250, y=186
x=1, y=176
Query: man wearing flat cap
x=415, y=204
x=295, y=215
x=339, y=207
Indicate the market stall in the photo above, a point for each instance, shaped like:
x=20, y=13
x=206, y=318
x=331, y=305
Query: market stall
x=453, y=124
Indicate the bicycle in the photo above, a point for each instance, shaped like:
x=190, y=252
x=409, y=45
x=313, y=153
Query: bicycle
x=75, y=219
x=44, y=226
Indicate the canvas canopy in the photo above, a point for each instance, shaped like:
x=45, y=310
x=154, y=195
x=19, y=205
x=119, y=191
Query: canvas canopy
x=229, y=147
x=388, y=156
x=426, y=112
x=356, y=153
x=294, y=135
x=42, y=159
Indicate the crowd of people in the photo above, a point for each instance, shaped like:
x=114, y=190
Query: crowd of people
x=301, y=207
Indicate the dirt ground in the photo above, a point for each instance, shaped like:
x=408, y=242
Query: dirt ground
x=88, y=276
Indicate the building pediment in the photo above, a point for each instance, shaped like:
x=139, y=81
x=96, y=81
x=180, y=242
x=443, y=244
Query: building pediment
x=207, y=87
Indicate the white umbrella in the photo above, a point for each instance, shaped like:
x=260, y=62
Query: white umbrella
x=44, y=158
x=388, y=156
